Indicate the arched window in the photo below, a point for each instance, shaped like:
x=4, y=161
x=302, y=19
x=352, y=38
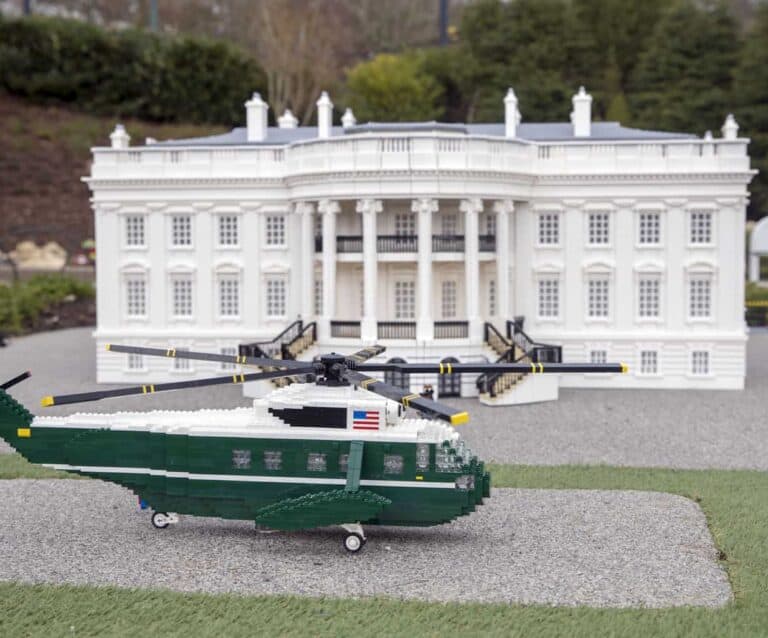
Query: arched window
x=449, y=385
x=397, y=378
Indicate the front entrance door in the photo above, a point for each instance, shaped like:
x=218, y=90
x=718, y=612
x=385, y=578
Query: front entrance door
x=449, y=385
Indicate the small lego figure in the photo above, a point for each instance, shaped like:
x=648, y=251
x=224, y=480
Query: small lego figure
x=428, y=392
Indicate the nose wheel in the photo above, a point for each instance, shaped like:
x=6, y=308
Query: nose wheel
x=355, y=539
x=161, y=520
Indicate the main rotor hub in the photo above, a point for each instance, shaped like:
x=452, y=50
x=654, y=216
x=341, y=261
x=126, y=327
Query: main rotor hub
x=333, y=366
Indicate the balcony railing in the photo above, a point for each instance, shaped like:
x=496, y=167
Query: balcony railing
x=397, y=329
x=451, y=329
x=345, y=329
x=448, y=243
x=487, y=243
x=397, y=243
x=349, y=243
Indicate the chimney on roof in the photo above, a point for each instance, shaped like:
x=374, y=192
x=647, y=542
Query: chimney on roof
x=730, y=128
x=581, y=116
x=348, y=119
x=511, y=114
x=256, y=118
x=324, y=115
x=119, y=137
x=287, y=120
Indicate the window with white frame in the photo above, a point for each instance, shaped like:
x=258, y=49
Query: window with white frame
x=448, y=224
x=228, y=351
x=229, y=296
x=405, y=224
x=490, y=224
x=648, y=298
x=180, y=364
x=229, y=230
x=134, y=230
x=700, y=362
x=649, y=362
x=700, y=226
x=135, y=296
x=598, y=297
x=598, y=356
x=135, y=361
x=181, y=291
x=599, y=229
x=318, y=297
x=318, y=225
x=275, y=230
x=492, y=298
x=649, y=228
x=276, y=297
x=700, y=297
x=549, y=228
x=361, y=290
x=549, y=298
x=448, y=299
x=181, y=230
x=405, y=299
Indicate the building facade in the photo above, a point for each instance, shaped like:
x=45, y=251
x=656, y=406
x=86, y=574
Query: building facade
x=617, y=244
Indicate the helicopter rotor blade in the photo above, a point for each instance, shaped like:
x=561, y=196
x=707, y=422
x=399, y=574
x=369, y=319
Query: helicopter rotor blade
x=406, y=398
x=364, y=354
x=83, y=397
x=529, y=367
x=15, y=380
x=207, y=356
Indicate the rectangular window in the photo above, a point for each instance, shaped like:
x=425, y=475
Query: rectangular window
x=241, y=459
x=182, y=296
x=549, y=298
x=549, y=228
x=229, y=351
x=701, y=227
x=405, y=224
x=599, y=229
x=134, y=230
x=598, y=356
x=700, y=362
x=649, y=362
x=182, y=364
x=490, y=225
x=448, y=300
x=492, y=298
x=597, y=298
x=181, y=230
x=448, y=224
x=318, y=297
x=276, y=298
x=649, y=231
x=135, y=297
x=393, y=464
x=229, y=297
x=648, y=298
x=135, y=361
x=343, y=463
x=405, y=299
x=316, y=462
x=273, y=460
x=229, y=230
x=422, y=456
x=275, y=230
x=700, y=298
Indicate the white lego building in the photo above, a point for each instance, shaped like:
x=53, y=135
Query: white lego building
x=617, y=244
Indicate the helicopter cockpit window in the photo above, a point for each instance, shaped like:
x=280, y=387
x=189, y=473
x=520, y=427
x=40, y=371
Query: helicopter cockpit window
x=393, y=464
x=316, y=462
x=273, y=460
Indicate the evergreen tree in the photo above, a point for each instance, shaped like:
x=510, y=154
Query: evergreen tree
x=683, y=78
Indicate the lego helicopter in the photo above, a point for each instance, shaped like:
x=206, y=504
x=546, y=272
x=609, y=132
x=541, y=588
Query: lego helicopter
x=335, y=450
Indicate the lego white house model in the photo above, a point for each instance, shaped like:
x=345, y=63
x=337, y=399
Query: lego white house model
x=607, y=243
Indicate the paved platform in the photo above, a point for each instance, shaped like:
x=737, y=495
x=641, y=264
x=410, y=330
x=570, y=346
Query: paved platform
x=554, y=547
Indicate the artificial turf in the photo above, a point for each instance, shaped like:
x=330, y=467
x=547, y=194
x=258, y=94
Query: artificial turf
x=735, y=503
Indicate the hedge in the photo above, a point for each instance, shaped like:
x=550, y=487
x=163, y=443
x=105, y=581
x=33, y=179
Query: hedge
x=129, y=73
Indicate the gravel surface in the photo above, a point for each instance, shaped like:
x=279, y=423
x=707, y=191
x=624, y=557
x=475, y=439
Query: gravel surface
x=642, y=428
x=558, y=547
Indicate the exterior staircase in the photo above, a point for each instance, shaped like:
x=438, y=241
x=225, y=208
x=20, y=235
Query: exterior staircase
x=289, y=344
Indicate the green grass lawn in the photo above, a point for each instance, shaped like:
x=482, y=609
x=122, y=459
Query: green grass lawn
x=735, y=502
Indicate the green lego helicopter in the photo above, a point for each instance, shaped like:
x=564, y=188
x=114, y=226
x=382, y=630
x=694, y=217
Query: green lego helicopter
x=337, y=449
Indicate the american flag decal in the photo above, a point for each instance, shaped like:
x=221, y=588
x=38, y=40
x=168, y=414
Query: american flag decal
x=365, y=420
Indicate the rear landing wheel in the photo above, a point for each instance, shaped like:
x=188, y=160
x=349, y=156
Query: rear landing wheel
x=353, y=543
x=160, y=520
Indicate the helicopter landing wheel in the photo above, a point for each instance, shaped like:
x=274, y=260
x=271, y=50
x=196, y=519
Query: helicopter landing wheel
x=161, y=520
x=353, y=543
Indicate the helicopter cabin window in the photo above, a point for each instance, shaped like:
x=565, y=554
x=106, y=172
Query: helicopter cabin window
x=422, y=456
x=343, y=462
x=393, y=464
x=241, y=459
x=273, y=460
x=316, y=462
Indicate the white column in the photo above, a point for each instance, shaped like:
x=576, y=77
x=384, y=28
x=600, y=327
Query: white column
x=425, y=329
x=471, y=209
x=503, y=209
x=304, y=211
x=368, y=208
x=754, y=268
x=329, y=209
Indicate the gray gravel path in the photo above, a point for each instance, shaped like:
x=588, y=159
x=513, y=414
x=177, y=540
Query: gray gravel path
x=579, y=547
x=642, y=428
